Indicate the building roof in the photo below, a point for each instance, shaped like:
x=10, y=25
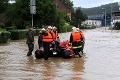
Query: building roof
x=62, y=6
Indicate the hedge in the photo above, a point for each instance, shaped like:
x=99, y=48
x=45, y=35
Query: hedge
x=21, y=34
x=10, y=28
x=4, y=37
x=65, y=28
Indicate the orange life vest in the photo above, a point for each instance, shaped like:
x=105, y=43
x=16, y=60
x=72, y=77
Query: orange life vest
x=82, y=34
x=55, y=35
x=47, y=38
x=76, y=36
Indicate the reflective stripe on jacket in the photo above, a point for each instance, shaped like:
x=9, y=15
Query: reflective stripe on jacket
x=47, y=38
x=76, y=36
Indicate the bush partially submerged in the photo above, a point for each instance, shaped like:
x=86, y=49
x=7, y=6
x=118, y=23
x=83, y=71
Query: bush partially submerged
x=4, y=37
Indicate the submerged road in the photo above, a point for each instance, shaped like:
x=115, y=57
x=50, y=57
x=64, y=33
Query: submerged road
x=101, y=60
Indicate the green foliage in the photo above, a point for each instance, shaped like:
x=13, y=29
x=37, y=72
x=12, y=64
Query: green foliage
x=78, y=16
x=4, y=37
x=18, y=34
x=21, y=12
x=3, y=5
x=10, y=28
x=65, y=28
x=2, y=29
x=46, y=13
x=82, y=27
x=21, y=34
x=60, y=19
x=68, y=3
x=117, y=26
x=2, y=26
x=37, y=31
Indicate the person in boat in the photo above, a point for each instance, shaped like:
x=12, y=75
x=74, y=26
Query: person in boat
x=55, y=33
x=30, y=40
x=82, y=39
x=55, y=38
x=75, y=39
x=40, y=37
x=47, y=40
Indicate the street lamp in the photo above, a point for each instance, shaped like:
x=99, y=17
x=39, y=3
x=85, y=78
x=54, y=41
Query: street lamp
x=105, y=17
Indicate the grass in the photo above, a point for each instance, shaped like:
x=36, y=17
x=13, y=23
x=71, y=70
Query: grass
x=1, y=29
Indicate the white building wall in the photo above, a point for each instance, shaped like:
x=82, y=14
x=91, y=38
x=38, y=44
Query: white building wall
x=96, y=23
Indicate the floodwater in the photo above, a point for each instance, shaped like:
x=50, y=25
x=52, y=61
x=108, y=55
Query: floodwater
x=101, y=60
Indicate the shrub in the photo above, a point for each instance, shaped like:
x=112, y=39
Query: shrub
x=10, y=28
x=117, y=25
x=65, y=28
x=37, y=31
x=4, y=37
x=18, y=34
x=21, y=34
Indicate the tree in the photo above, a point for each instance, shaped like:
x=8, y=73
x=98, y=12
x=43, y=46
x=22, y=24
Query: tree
x=68, y=3
x=45, y=13
x=60, y=19
x=18, y=14
x=78, y=17
x=3, y=5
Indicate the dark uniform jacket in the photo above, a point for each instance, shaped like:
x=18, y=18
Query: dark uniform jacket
x=40, y=38
x=30, y=37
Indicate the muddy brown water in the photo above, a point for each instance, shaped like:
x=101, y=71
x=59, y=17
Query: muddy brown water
x=101, y=60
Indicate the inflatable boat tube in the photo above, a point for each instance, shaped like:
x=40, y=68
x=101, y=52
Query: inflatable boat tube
x=39, y=54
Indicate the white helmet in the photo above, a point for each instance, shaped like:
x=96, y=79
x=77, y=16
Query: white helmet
x=49, y=27
x=77, y=29
x=74, y=29
x=54, y=27
x=42, y=29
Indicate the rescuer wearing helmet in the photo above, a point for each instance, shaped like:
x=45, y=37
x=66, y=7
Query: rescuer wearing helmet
x=55, y=38
x=40, y=37
x=55, y=33
x=75, y=39
x=47, y=39
x=82, y=39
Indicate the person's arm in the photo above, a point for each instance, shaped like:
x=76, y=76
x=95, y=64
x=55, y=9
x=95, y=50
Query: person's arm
x=40, y=38
x=71, y=38
x=44, y=33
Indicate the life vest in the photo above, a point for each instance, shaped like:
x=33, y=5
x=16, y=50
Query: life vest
x=55, y=35
x=82, y=35
x=48, y=38
x=63, y=43
x=76, y=36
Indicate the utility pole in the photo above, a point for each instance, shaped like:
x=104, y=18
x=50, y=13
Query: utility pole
x=105, y=16
x=32, y=9
x=111, y=20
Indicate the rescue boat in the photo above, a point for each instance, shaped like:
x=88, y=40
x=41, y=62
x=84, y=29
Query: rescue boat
x=63, y=49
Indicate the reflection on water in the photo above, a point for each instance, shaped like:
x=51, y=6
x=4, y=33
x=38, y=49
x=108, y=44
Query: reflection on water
x=100, y=61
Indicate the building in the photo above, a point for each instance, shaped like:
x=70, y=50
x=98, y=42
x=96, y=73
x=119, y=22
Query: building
x=116, y=17
x=62, y=6
x=91, y=23
x=101, y=17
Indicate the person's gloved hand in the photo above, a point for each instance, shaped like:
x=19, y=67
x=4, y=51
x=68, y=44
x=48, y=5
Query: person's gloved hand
x=53, y=42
